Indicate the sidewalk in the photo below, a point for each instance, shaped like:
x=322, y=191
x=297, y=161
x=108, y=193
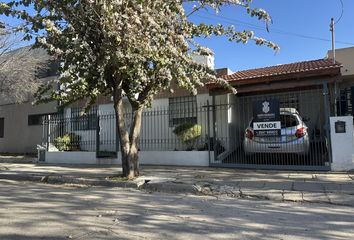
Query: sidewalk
x=319, y=187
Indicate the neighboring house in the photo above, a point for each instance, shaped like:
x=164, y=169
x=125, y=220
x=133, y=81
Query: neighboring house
x=346, y=86
x=21, y=124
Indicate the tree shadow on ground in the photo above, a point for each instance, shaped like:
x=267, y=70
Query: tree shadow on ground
x=39, y=211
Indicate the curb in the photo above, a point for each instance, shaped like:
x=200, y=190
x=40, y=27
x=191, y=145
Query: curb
x=168, y=187
x=172, y=187
x=55, y=179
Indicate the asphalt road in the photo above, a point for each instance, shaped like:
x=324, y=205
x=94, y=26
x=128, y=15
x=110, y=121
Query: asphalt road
x=38, y=211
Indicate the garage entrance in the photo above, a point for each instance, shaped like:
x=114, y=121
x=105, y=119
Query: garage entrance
x=300, y=143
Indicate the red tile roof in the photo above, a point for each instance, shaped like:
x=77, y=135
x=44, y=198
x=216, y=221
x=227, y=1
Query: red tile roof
x=284, y=69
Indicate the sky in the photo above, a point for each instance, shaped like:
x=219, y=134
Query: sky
x=310, y=18
x=300, y=28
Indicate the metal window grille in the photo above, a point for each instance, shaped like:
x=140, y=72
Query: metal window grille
x=182, y=110
x=345, y=102
x=35, y=119
x=84, y=121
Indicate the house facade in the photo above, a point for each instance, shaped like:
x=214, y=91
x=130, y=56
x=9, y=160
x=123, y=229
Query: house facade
x=306, y=88
x=96, y=131
x=317, y=92
x=21, y=124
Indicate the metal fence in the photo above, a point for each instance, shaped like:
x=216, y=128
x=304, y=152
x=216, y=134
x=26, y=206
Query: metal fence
x=224, y=128
x=303, y=142
x=98, y=132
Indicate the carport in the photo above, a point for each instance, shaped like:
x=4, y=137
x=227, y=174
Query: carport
x=305, y=89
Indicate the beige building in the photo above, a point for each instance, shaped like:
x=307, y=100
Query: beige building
x=346, y=86
x=21, y=124
x=346, y=57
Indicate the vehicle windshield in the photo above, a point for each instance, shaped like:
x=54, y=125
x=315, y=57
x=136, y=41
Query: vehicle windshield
x=288, y=120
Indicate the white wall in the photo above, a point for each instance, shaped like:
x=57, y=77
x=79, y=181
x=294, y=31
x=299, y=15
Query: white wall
x=205, y=60
x=173, y=158
x=342, y=145
x=223, y=119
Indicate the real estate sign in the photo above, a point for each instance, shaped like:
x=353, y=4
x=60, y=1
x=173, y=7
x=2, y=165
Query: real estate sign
x=266, y=118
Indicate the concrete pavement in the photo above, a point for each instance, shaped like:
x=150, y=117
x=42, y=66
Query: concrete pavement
x=321, y=187
x=56, y=212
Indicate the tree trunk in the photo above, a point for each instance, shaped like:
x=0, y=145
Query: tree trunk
x=134, y=140
x=128, y=139
x=122, y=132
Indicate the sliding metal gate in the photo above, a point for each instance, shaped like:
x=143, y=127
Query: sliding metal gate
x=303, y=143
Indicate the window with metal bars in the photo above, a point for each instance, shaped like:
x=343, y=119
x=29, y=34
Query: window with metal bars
x=83, y=121
x=36, y=119
x=345, y=102
x=182, y=110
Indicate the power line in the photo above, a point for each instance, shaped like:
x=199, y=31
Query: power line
x=341, y=15
x=274, y=30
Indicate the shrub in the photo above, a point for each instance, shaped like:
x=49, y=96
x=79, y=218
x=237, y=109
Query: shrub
x=68, y=142
x=188, y=133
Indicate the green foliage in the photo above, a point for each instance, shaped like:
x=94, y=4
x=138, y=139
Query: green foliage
x=188, y=133
x=68, y=142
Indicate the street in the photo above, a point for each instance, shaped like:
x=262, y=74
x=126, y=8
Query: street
x=42, y=211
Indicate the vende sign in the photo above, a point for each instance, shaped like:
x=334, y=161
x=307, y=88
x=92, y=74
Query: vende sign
x=266, y=118
x=266, y=125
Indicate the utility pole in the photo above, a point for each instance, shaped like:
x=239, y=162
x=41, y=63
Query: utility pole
x=333, y=39
x=334, y=62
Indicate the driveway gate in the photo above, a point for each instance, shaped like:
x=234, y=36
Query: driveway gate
x=302, y=142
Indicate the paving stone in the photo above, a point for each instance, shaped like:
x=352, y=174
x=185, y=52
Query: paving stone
x=308, y=187
x=341, y=199
x=292, y=196
x=332, y=187
x=316, y=197
x=347, y=188
x=251, y=184
x=278, y=185
x=334, y=178
x=275, y=195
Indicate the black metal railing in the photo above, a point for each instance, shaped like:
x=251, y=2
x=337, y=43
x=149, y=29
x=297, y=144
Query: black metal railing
x=98, y=132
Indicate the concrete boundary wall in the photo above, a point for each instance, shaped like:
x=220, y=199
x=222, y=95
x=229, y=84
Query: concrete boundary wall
x=173, y=158
x=342, y=145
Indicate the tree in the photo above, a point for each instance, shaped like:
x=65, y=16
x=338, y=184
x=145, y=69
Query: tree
x=125, y=48
x=18, y=68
